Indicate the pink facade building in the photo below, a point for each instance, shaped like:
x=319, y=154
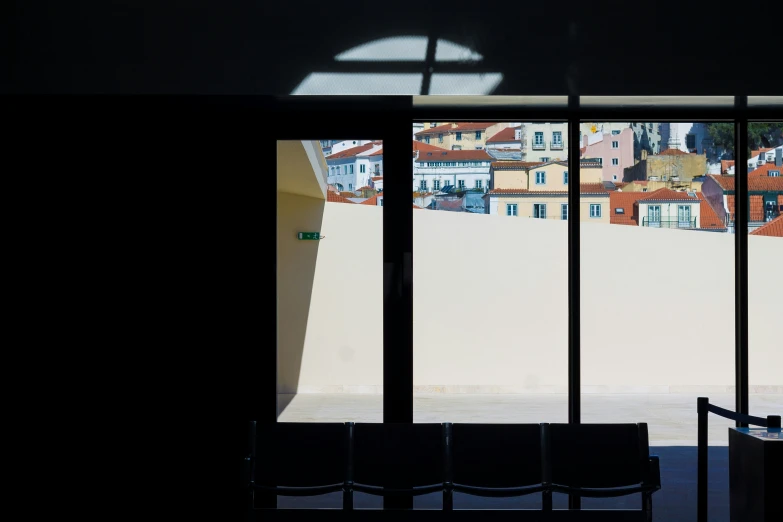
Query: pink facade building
x=614, y=151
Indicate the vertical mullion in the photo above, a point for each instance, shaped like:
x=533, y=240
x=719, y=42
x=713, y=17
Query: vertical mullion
x=397, y=267
x=574, y=310
x=741, y=218
x=397, y=278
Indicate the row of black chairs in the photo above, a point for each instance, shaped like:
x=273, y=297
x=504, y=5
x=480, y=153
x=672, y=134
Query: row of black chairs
x=490, y=460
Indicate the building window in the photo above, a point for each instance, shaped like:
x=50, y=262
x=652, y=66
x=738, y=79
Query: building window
x=564, y=211
x=362, y=169
x=774, y=173
x=511, y=209
x=427, y=140
x=595, y=210
x=423, y=185
x=615, y=133
x=351, y=169
x=436, y=184
x=440, y=138
x=557, y=139
x=539, y=210
x=649, y=127
x=459, y=136
x=478, y=135
x=565, y=177
x=615, y=161
x=644, y=190
x=690, y=141
x=380, y=202
x=538, y=139
x=461, y=184
x=615, y=144
x=545, y=159
x=478, y=183
x=614, y=178
x=350, y=187
x=540, y=178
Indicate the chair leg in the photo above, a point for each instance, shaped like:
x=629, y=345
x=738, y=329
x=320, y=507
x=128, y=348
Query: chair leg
x=546, y=500
x=348, y=500
x=448, y=500
x=647, y=506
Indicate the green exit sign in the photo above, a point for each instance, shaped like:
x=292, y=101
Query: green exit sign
x=309, y=235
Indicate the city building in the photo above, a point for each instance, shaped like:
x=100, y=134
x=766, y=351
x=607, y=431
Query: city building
x=765, y=198
x=540, y=191
x=544, y=142
x=352, y=168
x=508, y=138
x=613, y=151
x=647, y=136
x=464, y=169
x=773, y=228
x=664, y=208
x=688, y=137
x=330, y=147
x=674, y=166
x=460, y=135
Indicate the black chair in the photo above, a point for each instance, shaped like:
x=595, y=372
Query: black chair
x=398, y=460
x=498, y=460
x=604, y=460
x=298, y=459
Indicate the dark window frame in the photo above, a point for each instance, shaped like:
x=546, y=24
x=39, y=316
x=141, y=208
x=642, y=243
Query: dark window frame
x=397, y=113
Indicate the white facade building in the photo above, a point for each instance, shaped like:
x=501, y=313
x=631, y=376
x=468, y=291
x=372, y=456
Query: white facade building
x=340, y=146
x=353, y=168
x=545, y=141
x=646, y=133
x=688, y=137
x=465, y=169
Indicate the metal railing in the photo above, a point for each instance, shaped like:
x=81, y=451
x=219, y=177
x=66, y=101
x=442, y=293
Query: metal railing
x=539, y=146
x=669, y=223
x=556, y=145
x=703, y=407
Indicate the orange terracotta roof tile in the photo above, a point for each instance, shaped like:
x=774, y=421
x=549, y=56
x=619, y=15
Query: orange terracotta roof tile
x=454, y=155
x=371, y=201
x=624, y=201
x=376, y=178
x=336, y=198
x=763, y=170
x=366, y=187
x=708, y=217
x=421, y=146
x=353, y=151
x=596, y=189
x=725, y=165
x=514, y=164
x=506, y=134
x=772, y=229
x=755, y=183
x=672, y=152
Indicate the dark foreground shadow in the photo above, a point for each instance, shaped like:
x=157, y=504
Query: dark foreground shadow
x=675, y=502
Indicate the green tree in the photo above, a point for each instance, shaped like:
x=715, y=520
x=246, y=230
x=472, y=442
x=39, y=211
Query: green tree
x=759, y=135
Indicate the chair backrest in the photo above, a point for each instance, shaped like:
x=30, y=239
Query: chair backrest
x=496, y=455
x=398, y=455
x=598, y=455
x=300, y=454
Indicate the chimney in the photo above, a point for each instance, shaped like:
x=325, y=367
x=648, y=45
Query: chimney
x=778, y=156
x=453, y=125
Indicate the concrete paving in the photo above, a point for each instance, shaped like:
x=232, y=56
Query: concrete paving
x=671, y=420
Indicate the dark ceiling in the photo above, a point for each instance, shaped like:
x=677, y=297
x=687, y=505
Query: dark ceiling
x=257, y=47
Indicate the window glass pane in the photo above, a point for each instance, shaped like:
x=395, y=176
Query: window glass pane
x=765, y=255
x=329, y=237
x=657, y=289
x=490, y=276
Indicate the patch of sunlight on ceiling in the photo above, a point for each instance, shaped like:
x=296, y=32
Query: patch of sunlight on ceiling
x=446, y=51
x=472, y=83
x=360, y=83
x=398, y=48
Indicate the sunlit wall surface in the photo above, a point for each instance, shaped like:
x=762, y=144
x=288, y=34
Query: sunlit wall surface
x=765, y=252
x=410, y=65
x=490, y=271
x=329, y=217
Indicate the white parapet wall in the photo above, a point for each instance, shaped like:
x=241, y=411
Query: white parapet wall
x=491, y=306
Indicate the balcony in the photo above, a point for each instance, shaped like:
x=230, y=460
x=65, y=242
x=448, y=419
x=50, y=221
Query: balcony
x=539, y=146
x=669, y=223
x=556, y=145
